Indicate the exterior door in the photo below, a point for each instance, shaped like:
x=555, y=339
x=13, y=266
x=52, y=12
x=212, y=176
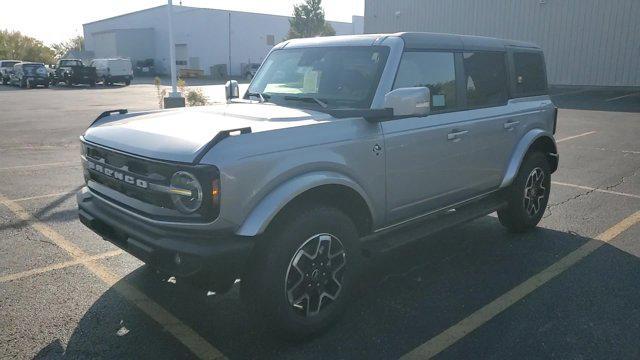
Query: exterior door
x=496, y=128
x=182, y=55
x=428, y=159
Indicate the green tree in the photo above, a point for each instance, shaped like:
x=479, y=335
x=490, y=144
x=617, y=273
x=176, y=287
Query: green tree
x=308, y=21
x=63, y=47
x=14, y=45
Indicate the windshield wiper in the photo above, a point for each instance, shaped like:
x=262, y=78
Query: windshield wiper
x=307, y=99
x=261, y=96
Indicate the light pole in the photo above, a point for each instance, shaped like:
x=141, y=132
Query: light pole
x=174, y=99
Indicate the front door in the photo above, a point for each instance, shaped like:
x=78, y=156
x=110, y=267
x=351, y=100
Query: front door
x=429, y=159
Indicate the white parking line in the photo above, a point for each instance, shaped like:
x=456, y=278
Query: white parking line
x=596, y=189
x=463, y=328
x=199, y=346
x=53, y=164
x=58, y=266
x=622, y=97
x=575, y=136
x=41, y=196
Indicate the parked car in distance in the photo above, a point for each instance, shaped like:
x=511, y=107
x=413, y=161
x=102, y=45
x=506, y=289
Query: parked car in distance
x=250, y=71
x=341, y=147
x=29, y=75
x=6, y=66
x=111, y=71
x=72, y=72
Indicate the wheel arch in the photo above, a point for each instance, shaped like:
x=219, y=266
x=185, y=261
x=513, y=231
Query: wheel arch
x=534, y=140
x=326, y=188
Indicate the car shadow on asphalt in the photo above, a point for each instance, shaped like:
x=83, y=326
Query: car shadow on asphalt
x=405, y=298
x=47, y=213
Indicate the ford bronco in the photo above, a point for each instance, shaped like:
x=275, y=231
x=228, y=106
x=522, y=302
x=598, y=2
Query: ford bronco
x=338, y=143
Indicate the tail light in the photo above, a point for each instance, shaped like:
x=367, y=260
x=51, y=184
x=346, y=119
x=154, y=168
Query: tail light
x=555, y=119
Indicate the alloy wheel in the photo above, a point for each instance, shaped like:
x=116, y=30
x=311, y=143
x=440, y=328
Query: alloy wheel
x=315, y=274
x=534, y=192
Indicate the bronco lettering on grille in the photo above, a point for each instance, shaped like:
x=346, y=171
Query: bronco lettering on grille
x=118, y=175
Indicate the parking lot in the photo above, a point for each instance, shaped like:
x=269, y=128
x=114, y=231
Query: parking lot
x=569, y=289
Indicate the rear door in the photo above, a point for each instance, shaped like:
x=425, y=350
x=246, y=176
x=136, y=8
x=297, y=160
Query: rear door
x=491, y=123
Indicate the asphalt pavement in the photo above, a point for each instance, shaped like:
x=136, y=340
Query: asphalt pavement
x=569, y=289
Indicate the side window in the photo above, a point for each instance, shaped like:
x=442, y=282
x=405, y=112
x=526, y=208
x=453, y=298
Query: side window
x=529, y=76
x=435, y=70
x=486, y=79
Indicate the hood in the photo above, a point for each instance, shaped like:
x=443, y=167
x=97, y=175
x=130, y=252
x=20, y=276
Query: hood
x=180, y=134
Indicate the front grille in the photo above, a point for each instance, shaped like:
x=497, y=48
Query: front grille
x=148, y=170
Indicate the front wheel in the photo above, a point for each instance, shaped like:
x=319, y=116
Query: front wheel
x=304, y=273
x=528, y=195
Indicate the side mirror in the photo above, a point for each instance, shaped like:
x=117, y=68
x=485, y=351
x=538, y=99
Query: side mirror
x=412, y=101
x=231, y=90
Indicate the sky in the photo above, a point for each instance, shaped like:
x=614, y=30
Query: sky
x=55, y=21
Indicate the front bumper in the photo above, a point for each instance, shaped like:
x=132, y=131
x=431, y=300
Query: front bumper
x=37, y=80
x=211, y=259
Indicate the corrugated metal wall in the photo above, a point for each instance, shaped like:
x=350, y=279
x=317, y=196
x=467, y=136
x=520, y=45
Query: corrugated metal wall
x=586, y=42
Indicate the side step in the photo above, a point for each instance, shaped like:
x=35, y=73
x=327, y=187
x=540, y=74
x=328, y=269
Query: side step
x=393, y=238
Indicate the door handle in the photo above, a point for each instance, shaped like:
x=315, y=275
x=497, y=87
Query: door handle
x=456, y=134
x=509, y=125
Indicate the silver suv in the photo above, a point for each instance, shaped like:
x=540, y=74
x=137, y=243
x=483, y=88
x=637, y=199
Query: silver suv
x=341, y=147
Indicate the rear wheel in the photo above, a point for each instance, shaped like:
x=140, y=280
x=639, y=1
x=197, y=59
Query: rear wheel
x=528, y=195
x=304, y=272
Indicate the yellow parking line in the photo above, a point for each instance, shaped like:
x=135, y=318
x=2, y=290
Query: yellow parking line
x=575, y=136
x=453, y=334
x=187, y=336
x=37, y=166
x=596, y=189
x=58, y=266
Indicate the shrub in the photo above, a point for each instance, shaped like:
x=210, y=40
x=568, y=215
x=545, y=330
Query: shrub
x=196, y=97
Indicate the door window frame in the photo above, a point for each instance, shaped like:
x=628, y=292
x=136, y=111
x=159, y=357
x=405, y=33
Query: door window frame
x=507, y=84
x=457, y=56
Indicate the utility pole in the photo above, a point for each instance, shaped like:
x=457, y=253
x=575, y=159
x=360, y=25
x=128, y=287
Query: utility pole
x=175, y=99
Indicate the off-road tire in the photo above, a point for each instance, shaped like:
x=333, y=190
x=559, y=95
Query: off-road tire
x=264, y=286
x=521, y=215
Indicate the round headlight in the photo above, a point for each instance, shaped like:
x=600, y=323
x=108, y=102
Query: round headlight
x=186, y=192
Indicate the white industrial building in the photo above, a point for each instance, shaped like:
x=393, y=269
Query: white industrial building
x=203, y=37
x=586, y=42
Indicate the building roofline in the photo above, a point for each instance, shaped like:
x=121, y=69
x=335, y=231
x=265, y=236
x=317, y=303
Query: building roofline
x=203, y=8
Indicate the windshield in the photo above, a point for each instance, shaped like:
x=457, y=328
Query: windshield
x=34, y=69
x=70, y=63
x=340, y=77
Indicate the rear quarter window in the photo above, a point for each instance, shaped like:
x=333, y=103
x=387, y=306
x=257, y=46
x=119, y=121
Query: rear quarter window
x=530, y=76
